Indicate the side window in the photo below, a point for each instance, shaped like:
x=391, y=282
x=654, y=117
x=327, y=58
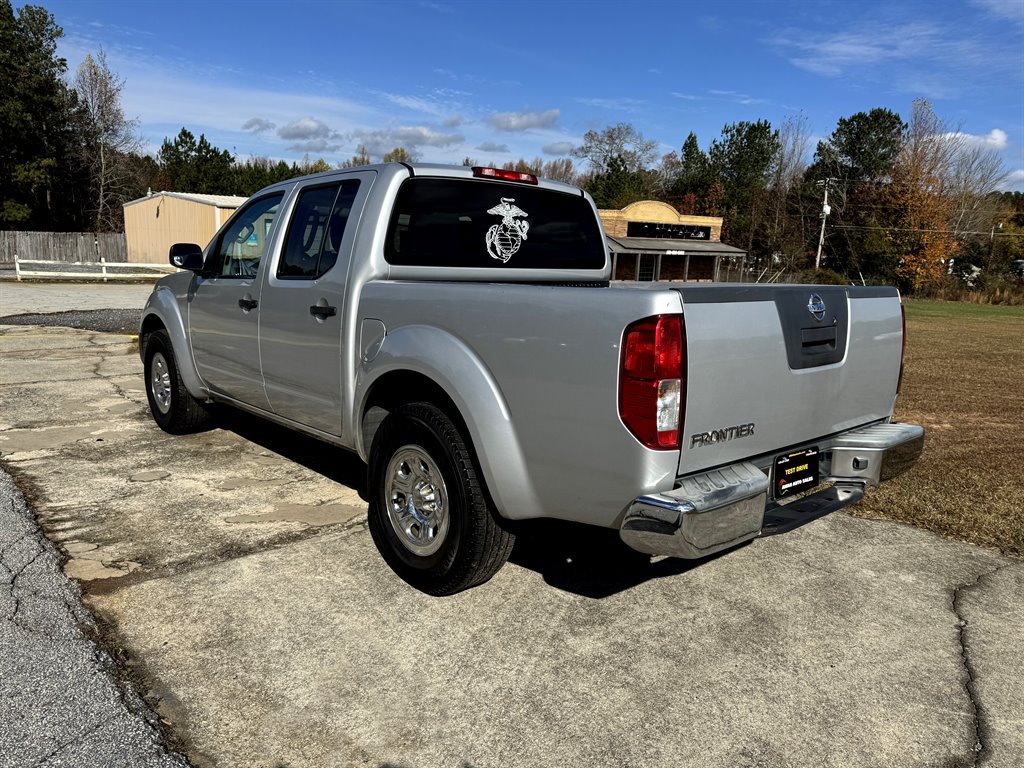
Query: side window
x=315, y=231
x=240, y=248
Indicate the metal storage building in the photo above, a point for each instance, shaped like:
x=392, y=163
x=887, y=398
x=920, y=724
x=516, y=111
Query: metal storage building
x=154, y=223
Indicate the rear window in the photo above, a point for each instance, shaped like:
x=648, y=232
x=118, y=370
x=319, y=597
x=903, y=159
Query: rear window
x=481, y=224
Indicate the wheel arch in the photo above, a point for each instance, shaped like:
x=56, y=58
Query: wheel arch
x=162, y=313
x=466, y=392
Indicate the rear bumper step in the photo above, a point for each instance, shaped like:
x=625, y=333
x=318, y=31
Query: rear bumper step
x=719, y=509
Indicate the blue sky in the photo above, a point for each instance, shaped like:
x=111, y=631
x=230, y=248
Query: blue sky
x=501, y=80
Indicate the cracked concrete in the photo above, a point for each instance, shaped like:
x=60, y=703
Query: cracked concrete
x=266, y=638
x=987, y=622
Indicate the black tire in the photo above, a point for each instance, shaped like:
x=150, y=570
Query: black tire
x=173, y=408
x=470, y=542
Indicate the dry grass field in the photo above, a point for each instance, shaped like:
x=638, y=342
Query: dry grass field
x=964, y=382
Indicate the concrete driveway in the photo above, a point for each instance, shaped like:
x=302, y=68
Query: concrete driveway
x=233, y=571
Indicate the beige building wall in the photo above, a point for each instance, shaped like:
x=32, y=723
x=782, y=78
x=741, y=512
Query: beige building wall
x=156, y=223
x=656, y=212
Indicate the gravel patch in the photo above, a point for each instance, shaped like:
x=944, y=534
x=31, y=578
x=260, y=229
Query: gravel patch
x=100, y=320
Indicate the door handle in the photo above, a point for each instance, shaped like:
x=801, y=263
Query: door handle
x=247, y=304
x=317, y=311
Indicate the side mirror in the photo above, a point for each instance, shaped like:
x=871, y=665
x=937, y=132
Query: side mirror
x=186, y=256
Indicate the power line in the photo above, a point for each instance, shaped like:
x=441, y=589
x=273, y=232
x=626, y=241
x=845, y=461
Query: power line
x=938, y=231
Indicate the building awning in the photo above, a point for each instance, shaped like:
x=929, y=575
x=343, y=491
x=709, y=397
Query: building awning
x=671, y=247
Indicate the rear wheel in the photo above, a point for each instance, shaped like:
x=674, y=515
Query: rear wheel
x=429, y=515
x=173, y=408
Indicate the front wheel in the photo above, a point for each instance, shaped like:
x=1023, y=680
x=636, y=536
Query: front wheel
x=429, y=515
x=173, y=408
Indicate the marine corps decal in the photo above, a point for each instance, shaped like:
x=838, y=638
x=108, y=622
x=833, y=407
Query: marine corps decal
x=504, y=239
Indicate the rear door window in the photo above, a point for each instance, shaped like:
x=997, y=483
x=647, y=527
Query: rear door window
x=484, y=224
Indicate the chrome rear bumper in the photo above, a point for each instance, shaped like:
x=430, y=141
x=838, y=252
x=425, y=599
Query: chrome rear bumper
x=722, y=508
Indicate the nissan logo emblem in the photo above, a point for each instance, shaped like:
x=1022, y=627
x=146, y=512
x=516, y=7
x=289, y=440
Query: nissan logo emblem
x=816, y=307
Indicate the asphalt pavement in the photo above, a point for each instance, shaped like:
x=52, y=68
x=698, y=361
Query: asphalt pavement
x=63, y=700
x=233, y=572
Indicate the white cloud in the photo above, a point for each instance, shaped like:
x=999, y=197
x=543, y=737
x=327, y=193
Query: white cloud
x=621, y=105
x=454, y=121
x=837, y=53
x=316, y=146
x=258, y=125
x=558, y=148
x=1006, y=9
x=735, y=96
x=411, y=137
x=995, y=139
x=490, y=146
x=523, y=121
x=1014, y=181
x=414, y=103
x=304, y=129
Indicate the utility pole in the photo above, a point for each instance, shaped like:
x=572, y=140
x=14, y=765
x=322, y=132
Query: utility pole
x=825, y=211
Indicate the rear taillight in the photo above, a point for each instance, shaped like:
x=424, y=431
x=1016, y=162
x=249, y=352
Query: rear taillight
x=652, y=378
x=903, y=345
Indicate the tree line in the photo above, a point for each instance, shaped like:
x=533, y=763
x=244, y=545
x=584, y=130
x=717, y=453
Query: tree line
x=909, y=201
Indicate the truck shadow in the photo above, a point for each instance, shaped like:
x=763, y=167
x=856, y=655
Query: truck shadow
x=581, y=559
x=330, y=461
x=589, y=561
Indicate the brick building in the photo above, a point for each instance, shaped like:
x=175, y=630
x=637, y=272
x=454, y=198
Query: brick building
x=650, y=240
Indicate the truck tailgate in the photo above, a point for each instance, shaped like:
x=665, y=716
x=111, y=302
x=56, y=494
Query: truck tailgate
x=774, y=368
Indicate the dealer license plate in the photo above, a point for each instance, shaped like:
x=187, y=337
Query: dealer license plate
x=797, y=471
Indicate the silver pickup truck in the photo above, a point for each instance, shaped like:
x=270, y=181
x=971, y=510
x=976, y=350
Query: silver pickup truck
x=456, y=328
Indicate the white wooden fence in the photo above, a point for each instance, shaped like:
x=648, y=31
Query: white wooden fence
x=88, y=270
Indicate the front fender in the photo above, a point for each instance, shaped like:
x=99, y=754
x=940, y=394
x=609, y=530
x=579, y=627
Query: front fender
x=164, y=306
x=453, y=366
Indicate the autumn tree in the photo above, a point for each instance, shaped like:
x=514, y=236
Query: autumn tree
x=107, y=142
x=308, y=166
x=360, y=158
x=975, y=173
x=398, y=155
x=919, y=199
x=560, y=169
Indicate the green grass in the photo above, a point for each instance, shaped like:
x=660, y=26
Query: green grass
x=928, y=309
